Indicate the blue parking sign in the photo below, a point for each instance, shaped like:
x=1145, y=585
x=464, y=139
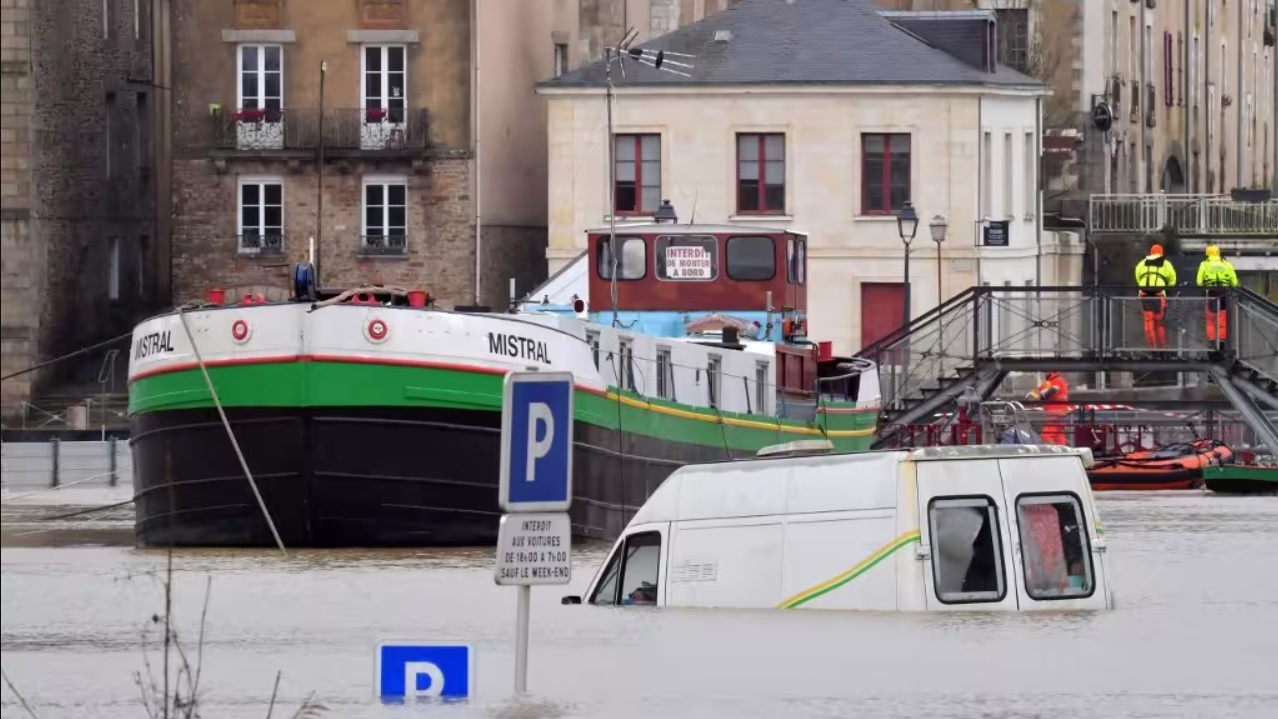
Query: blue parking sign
x=442, y=670
x=536, y=442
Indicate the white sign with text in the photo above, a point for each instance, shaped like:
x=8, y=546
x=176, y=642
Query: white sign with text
x=688, y=263
x=534, y=549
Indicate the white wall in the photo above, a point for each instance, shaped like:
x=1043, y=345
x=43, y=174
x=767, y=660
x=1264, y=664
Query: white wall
x=823, y=180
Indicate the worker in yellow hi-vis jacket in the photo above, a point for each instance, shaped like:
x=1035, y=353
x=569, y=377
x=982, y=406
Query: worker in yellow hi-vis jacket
x=1216, y=275
x=1154, y=275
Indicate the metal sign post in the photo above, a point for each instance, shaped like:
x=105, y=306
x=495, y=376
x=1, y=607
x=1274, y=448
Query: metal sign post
x=535, y=490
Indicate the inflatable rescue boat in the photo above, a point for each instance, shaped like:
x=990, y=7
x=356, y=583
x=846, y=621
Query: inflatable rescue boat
x=1171, y=466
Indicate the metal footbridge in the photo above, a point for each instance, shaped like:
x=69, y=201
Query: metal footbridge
x=969, y=346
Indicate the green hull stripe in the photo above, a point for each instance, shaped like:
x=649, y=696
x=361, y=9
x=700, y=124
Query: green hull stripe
x=346, y=384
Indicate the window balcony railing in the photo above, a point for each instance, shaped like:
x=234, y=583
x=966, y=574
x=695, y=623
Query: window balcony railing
x=258, y=245
x=378, y=130
x=383, y=245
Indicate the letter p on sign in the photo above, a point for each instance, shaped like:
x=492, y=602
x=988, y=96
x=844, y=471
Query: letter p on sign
x=538, y=414
x=536, y=442
x=434, y=676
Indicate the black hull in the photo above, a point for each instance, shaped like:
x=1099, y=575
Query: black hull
x=1138, y=480
x=367, y=477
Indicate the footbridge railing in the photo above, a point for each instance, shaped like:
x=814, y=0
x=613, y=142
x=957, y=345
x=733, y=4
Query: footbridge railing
x=1079, y=328
x=1193, y=215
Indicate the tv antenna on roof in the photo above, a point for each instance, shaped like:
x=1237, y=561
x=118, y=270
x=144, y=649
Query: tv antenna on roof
x=660, y=60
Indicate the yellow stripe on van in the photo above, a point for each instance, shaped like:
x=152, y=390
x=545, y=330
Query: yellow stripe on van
x=861, y=567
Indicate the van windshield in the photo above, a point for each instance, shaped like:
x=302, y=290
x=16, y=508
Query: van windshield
x=1055, y=548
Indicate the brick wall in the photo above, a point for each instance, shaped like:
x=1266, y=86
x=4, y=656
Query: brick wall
x=440, y=256
x=508, y=251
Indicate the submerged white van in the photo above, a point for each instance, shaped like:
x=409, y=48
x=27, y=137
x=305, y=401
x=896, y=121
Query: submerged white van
x=996, y=527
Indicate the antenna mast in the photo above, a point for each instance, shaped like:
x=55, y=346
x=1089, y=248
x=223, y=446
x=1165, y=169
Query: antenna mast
x=656, y=60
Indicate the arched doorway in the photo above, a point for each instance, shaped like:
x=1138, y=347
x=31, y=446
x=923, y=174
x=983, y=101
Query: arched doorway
x=1173, y=180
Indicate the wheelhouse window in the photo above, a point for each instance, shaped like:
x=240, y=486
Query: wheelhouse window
x=592, y=339
x=796, y=260
x=686, y=258
x=385, y=217
x=665, y=374
x=261, y=217
x=761, y=173
x=637, y=188
x=1055, y=547
x=632, y=260
x=967, y=554
x=630, y=578
x=714, y=379
x=751, y=258
x=885, y=172
x=626, y=365
x=761, y=383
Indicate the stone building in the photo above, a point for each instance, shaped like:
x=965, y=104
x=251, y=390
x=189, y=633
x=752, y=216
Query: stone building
x=77, y=182
x=348, y=122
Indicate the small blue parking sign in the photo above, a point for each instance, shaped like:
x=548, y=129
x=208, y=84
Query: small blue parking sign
x=443, y=670
x=536, y=442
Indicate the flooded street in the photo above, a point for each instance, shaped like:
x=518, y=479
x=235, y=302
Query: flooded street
x=1193, y=635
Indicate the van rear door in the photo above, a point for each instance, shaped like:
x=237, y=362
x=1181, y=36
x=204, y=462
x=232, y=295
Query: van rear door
x=1058, y=565
x=964, y=537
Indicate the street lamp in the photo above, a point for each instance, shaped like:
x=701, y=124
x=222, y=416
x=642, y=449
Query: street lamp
x=907, y=223
x=938, y=226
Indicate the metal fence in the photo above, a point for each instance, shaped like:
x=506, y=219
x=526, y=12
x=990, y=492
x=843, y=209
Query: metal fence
x=35, y=465
x=989, y=323
x=1216, y=215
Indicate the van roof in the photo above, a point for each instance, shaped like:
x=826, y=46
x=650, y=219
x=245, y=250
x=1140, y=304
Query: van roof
x=760, y=486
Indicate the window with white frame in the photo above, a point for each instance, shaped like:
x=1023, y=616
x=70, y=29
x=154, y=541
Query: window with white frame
x=261, y=216
x=592, y=339
x=665, y=374
x=714, y=373
x=385, y=77
x=626, y=371
x=260, y=97
x=761, y=383
x=385, y=216
x=261, y=81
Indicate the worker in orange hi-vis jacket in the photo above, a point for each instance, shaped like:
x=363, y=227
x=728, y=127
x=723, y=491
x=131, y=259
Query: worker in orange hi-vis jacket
x=1055, y=391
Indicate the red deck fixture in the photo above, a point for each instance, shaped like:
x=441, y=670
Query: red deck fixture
x=417, y=298
x=216, y=296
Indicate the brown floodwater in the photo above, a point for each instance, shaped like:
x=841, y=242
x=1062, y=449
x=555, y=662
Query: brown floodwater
x=1194, y=635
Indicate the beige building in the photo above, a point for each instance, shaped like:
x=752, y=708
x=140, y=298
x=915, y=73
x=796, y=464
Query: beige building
x=823, y=142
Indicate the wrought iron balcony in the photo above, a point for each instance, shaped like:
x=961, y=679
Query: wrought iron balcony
x=384, y=131
x=1189, y=215
x=383, y=245
x=258, y=245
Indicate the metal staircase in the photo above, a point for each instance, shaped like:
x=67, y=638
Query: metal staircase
x=972, y=343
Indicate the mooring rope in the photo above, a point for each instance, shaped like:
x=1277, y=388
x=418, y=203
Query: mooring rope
x=208, y=381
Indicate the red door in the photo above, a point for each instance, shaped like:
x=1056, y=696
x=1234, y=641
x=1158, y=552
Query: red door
x=882, y=310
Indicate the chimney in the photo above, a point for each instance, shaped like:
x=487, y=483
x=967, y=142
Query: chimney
x=991, y=46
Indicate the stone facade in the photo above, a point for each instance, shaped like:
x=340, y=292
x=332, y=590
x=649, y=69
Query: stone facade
x=76, y=207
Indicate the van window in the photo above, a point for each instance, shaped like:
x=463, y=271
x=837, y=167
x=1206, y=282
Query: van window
x=1054, y=546
x=967, y=555
x=633, y=571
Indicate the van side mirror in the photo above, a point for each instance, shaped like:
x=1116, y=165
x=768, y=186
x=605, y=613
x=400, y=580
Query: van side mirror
x=570, y=599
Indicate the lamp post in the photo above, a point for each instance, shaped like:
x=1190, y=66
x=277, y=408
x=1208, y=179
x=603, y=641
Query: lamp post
x=938, y=226
x=907, y=223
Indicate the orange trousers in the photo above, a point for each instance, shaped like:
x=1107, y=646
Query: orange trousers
x=1154, y=307
x=1053, y=431
x=1217, y=318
